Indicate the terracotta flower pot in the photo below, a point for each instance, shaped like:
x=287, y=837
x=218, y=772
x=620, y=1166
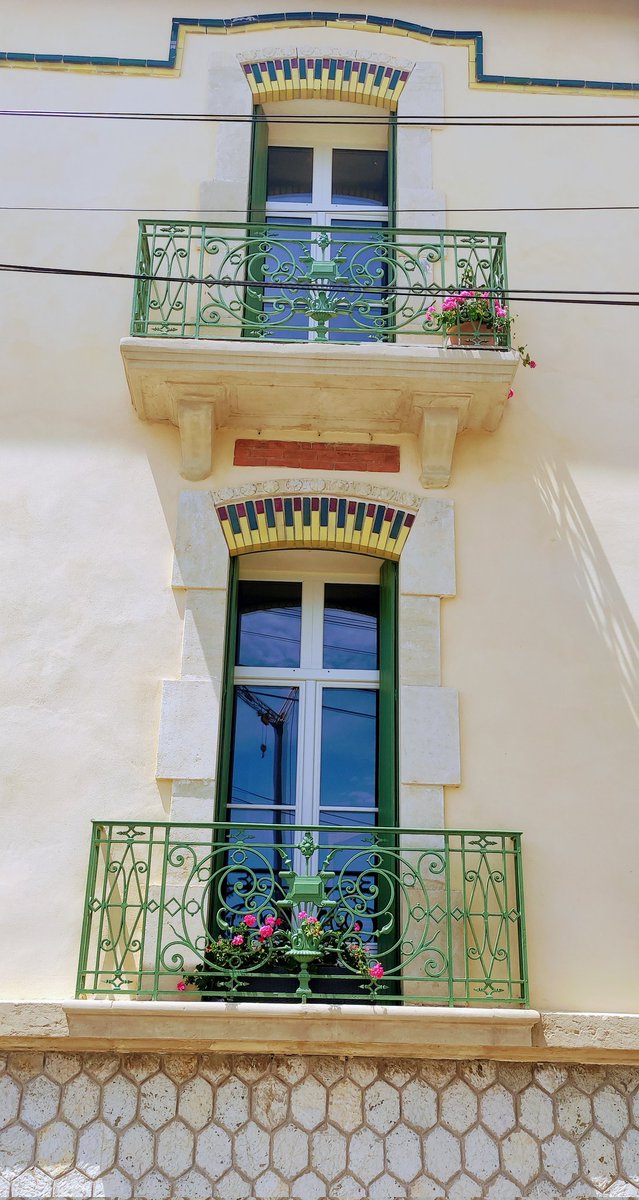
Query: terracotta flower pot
x=469, y=334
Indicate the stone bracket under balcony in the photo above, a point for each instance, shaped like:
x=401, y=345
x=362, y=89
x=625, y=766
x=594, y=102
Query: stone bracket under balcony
x=432, y=391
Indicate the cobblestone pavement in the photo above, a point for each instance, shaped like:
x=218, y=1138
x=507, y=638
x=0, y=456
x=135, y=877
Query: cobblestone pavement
x=238, y=1128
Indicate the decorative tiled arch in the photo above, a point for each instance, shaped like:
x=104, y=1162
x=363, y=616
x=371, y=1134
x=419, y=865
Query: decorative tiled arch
x=315, y=522
x=310, y=77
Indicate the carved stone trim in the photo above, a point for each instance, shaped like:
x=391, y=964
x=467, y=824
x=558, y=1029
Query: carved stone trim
x=296, y=486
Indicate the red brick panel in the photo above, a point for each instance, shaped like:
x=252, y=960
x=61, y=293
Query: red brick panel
x=316, y=456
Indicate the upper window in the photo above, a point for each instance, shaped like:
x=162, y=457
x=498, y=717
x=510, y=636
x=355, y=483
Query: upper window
x=324, y=187
x=326, y=177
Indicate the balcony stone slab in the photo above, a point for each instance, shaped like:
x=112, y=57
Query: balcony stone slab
x=412, y=1031
x=432, y=391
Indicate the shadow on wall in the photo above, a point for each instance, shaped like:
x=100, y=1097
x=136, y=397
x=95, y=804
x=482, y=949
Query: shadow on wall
x=604, y=600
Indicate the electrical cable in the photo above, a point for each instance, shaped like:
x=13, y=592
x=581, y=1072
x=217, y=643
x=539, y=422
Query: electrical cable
x=255, y=285
x=618, y=121
x=311, y=211
x=535, y=295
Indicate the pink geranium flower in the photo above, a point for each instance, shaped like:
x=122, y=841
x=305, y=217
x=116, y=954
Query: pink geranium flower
x=249, y=920
x=266, y=931
x=181, y=986
x=357, y=927
x=376, y=971
x=302, y=915
x=270, y=920
x=238, y=940
x=532, y=364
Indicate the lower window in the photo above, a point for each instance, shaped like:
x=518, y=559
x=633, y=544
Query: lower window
x=308, y=768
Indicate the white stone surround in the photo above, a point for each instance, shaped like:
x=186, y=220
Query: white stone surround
x=207, y=1127
x=428, y=712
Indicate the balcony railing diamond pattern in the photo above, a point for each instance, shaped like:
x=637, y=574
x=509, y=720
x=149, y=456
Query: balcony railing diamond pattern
x=439, y=911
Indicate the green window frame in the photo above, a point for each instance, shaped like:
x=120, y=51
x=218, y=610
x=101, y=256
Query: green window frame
x=387, y=741
x=253, y=323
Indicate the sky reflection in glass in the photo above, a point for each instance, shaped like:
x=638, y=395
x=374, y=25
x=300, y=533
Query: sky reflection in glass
x=349, y=749
x=264, y=753
x=351, y=617
x=269, y=624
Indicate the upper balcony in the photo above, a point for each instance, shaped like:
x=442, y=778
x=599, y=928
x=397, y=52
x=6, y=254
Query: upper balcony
x=284, y=325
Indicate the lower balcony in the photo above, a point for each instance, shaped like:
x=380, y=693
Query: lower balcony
x=296, y=914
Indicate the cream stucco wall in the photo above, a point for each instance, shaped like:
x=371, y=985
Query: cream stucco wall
x=541, y=639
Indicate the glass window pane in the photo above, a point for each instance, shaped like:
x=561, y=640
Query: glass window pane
x=348, y=762
x=365, y=254
x=351, y=620
x=360, y=177
x=264, y=751
x=289, y=176
x=269, y=624
x=284, y=308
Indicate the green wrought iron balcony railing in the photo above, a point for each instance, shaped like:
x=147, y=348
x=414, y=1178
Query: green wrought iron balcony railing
x=281, y=912
x=293, y=281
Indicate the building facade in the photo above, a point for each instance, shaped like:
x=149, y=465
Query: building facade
x=320, y=648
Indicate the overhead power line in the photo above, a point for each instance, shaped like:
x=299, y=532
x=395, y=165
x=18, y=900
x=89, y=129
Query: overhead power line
x=538, y=121
x=535, y=295
x=310, y=211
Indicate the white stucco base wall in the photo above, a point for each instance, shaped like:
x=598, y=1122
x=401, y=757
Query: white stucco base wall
x=207, y=1126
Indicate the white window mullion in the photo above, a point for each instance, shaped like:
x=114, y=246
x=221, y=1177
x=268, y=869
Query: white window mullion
x=308, y=783
x=312, y=622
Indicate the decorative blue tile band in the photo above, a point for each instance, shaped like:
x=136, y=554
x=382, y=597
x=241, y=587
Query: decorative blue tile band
x=181, y=26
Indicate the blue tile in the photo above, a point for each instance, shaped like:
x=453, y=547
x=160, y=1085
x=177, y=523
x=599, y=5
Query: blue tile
x=57, y=58
x=150, y=62
x=378, y=519
x=413, y=27
x=10, y=57
x=600, y=84
x=572, y=83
